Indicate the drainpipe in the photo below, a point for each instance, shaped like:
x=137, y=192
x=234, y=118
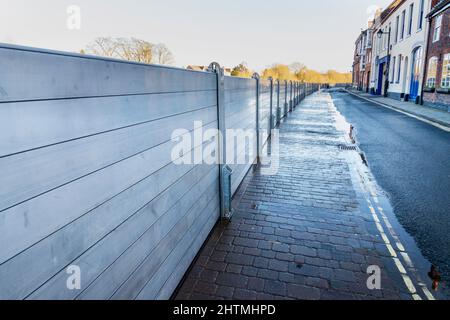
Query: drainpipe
x=424, y=76
x=388, y=64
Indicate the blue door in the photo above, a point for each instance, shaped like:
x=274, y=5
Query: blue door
x=380, y=78
x=415, y=73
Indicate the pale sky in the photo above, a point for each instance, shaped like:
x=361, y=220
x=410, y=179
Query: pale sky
x=318, y=33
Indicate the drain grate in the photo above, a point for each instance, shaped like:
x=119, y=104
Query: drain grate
x=347, y=147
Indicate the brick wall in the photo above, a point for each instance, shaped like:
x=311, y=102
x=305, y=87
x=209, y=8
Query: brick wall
x=438, y=49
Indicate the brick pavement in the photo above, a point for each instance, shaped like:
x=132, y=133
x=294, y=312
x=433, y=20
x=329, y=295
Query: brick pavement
x=300, y=234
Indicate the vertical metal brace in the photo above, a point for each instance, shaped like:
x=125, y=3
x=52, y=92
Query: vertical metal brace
x=224, y=171
x=295, y=94
x=278, y=103
x=285, y=98
x=258, y=144
x=290, y=96
x=227, y=196
x=271, y=106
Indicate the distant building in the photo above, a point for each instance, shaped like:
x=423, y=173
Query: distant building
x=362, y=59
x=407, y=55
x=197, y=68
x=356, y=70
x=366, y=63
x=380, y=56
x=393, y=39
x=436, y=89
x=227, y=71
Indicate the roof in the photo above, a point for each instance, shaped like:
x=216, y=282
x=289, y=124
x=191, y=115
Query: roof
x=386, y=13
x=197, y=68
x=441, y=5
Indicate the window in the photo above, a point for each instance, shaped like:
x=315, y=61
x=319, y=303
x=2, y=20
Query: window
x=411, y=12
x=397, y=25
x=437, y=28
x=399, y=68
x=420, y=20
x=378, y=45
x=388, y=40
x=432, y=71
x=402, y=30
x=385, y=39
x=393, y=69
x=445, y=83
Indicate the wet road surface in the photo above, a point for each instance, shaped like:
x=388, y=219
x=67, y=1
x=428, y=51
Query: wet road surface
x=410, y=160
x=304, y=232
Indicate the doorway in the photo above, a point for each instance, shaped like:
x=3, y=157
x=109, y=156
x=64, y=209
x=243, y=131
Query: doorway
x=415, y=73
x=380, y=79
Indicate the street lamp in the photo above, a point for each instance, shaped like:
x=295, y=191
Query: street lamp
x=380, y=33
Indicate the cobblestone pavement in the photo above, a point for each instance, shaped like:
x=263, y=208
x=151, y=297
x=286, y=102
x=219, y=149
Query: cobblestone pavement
x=303, y=233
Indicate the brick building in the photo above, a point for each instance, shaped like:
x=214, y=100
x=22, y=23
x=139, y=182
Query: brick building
x=436, y=90
x=368, y=57
x=381, y=48
x=362, y=60
x=356, y=70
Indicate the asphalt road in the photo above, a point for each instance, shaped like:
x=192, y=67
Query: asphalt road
x=410, y=160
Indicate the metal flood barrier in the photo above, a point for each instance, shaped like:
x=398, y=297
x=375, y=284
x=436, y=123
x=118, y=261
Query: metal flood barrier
x=90, y=180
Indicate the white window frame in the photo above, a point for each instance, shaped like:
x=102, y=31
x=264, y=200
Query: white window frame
x=399, y=68
x=421, y=12
x=402, y=30
x=397, y=27
x=394, y=60
x=410, y=21
x=431, y=79
x=445, y=77
x=437, y=28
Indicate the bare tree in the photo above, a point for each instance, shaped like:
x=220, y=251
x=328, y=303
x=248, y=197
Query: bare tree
x=131, y=49
x=297, y=67
x=299, y=70
x=163, y=55
x=135, y=50
x=103, y=46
